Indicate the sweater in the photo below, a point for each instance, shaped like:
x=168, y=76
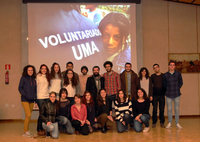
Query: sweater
x=42, y=86
x=123, y=108
x=141, y=107
x=55, y=84
x=158, y=84
x=79, y=115
x=27, y=88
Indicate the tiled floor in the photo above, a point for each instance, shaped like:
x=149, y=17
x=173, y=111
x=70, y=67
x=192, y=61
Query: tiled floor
x=11, y=131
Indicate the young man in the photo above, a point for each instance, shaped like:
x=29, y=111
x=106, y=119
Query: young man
x=83, y=79
x=173, y=82
x=129, y=81
x=70, y=65
x=158, y=96
x=95, y=83
x=112, y=81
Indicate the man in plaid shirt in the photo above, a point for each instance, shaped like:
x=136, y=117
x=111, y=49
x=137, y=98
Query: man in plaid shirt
x=112, y=81
x=173, y=82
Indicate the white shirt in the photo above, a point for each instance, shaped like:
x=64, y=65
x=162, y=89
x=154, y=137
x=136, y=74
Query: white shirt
x=55, y=84
x=145, y=85
x=42, y=86
x=71, y=90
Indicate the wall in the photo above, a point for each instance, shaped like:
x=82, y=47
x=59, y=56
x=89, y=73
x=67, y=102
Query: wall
x=170, y=27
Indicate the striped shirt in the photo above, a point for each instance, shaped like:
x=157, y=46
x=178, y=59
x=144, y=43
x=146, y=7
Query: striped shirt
x=122, y=109
x=112, y=82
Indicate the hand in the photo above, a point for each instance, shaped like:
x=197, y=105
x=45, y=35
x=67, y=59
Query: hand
x=151, y=98
x=124, y=123
x=110, y=117
x=137, y=117
x=139, y=120
x=95, y=120
x=82, y=123
x=88, y=122
x=48, y=123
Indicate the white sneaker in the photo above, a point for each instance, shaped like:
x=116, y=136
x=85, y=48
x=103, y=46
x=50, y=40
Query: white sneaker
x=146, y=129
x=169, y=125
x=178, y=126
x=27, y=134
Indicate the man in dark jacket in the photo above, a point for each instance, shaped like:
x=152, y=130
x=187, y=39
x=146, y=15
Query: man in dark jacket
x=95, y=83
x=129, y=81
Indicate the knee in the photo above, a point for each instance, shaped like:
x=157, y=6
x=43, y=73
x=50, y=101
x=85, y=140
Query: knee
x=138, y=129
x=120, y=130
x=104, y=115
x=28, y=115
x=54, y=136
x=51, y=127
x=70, y=130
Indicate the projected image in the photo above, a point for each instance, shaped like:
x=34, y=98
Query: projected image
x=84, y=34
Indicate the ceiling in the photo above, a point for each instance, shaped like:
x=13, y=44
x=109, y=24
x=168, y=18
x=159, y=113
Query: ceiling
x=194, y=2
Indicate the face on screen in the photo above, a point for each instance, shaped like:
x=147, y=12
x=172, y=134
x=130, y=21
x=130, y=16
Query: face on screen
x=111, y=39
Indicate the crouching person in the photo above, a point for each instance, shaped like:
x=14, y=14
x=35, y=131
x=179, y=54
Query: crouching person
x=48, y=116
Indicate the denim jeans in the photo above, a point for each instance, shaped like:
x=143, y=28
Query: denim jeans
x=120, y=127
x=161, y=101
x=63, y=121
x=176, y=108
x=145, y=119
x=51, y=128
x=39, y=122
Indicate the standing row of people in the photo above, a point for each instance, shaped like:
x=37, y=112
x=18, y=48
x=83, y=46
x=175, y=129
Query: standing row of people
x=155, y=88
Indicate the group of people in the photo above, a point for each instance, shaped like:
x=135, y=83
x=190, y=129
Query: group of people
x=90, y=102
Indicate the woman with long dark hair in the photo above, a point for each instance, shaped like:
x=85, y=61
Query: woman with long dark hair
x=72, y=85
x=123, y=109
x=146, y=82
x=64, y=112
x=56, y=78
x=43, y=82
x=104, y=111
x=141, y=111
x=91, y=115
x=79, y=116
x=27, y=89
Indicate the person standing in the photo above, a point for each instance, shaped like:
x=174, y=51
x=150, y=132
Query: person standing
x=112, y=81
x=173, y=82
x=158, y=96
x=129, y=82
x=27, y=89
x=94, y=84
x=70, y=66
x=145, y=82
x=43, y=82
x=83, y=79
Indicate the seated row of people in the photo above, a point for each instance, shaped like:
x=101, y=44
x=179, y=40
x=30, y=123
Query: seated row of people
x=58, y=114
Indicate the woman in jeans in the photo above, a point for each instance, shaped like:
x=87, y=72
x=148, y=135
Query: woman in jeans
x=64, y=112
x=48, y=116
x=141, y=111
x=123, y=109
x=43, y=82
x=27, y=89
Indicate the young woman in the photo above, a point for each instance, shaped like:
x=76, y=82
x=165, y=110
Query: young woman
x=27, y=89
x=72, y=85
x=104, y=111
x=146, y=82
x=79, y=116
x=141, y=111
x=48, y=116
x=123, y=109
x=43, y=82
x=91, y=116
x=56, y=78
x=64, y=111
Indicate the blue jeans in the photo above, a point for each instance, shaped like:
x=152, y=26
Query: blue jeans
x=63, y=121
x=120, y=127
x=145, y=119
x=51, y=128
x=176, y=108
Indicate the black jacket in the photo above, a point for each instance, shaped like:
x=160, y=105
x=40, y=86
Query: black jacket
x=28, y=89
x=48, y=112
x=91, y=86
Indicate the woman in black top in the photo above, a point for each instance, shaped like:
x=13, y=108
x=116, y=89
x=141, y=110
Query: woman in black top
x=141, y=111
x=104, y=111
x=48, y=115
x=91, y=116
x=64, y=111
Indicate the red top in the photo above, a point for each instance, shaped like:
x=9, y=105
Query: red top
x=79, y=115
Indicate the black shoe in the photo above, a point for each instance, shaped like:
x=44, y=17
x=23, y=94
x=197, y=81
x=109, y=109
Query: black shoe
x=103, y=130
x=48, y=134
